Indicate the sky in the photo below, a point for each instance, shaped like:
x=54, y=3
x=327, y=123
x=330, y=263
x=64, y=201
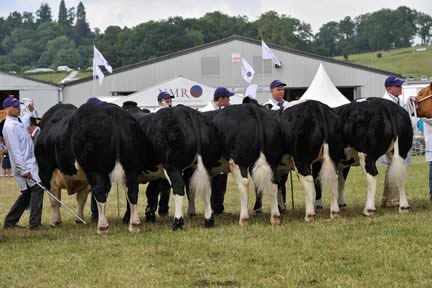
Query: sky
x=103, y=13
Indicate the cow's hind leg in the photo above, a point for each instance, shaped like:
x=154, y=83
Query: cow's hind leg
x=81, y=198
x=101, y=185
x=55, y=206
x=242, y=181
x=175, y=178
x=369, y=168
x=306, y=178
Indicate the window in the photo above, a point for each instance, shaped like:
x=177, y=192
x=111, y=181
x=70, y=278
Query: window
x=258, y=65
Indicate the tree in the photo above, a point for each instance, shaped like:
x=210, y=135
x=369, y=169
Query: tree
x=424, y=24
x=82, y=28
x=44, y=13
x=63, y=14
x=327, y=39
x=71, y=16
x=21, y=56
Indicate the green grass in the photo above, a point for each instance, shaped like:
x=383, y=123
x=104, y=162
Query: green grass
x=387, y=250
x=404, y=61
x=50, y=77
x=83, y=74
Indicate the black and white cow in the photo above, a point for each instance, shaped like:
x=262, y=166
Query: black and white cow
x=55, y=159
x=178, y=138
x=107, y=144
x=373, y=128
x=311, y=135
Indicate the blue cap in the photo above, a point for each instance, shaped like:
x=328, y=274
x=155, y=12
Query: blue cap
x=276, y=83
x=95, y=100
x=222, y=92
x=393, y=81
x=11, y=102
x=164, y=95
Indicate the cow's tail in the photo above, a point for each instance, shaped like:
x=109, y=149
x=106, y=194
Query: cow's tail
x=117, y=176
x=200, y=180
x=262, y=174
x=328, y=175
x=397, y=172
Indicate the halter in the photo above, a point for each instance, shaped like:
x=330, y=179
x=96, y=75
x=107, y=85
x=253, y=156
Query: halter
x=412, y=104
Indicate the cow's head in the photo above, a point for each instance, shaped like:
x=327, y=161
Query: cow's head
x=424, y=102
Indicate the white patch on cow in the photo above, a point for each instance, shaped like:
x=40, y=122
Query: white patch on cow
x=397, y=174
x=370, y=202
x=262, y=176
x=134, y=219
x=167, y=176
x=102, y=221
x=117, y=175
x=242, y=186
x=178, y=200
x=308, y=185
x=329, y=181
x=200, y=184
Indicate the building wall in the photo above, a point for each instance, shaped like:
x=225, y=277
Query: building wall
x=297, y=71
x=44, y=95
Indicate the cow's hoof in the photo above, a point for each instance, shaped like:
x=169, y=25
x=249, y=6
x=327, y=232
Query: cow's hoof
x=57, y=223
x=342, y=206
x=275, y=220
x=310, y=218
x=334, y=214
x=103, y=230
x=244, y=221
x=404, y=210
x=178, y=224
x=209, y=223
x=369, y=212
x=150, y=217
x=318, y=207
x=282, y=209
x=134, y=228
x=77, y=221
x=258, y=211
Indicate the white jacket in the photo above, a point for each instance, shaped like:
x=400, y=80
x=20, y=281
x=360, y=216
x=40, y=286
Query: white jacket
x=427, y=126
x=275, y=105
x=209, y=107
x=21, y=150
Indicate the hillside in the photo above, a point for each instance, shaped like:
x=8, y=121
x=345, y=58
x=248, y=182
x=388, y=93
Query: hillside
x=404, y=61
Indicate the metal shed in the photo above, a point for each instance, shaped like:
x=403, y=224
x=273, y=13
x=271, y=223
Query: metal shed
x=218, y=64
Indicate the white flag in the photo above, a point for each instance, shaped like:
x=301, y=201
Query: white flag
x=247, y=71
x=267, y=53
x=99, y=59
x=98, y=72
x=251, y=91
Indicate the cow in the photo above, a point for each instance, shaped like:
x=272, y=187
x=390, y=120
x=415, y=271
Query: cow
x=178, y=138
x=423, y=102
x=53, y=152
x=107, y=145
x=370, y=129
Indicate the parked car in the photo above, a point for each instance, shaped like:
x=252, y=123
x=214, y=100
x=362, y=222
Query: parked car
x=64, y=68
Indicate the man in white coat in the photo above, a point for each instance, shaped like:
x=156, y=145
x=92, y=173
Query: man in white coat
x=23, y=160
x=393, y=87
x=221, y=99
x=276, y=100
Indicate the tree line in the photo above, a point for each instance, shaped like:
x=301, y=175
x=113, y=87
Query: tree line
x=28, y=41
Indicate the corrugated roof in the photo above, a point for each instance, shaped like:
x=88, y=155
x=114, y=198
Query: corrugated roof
x=229, y=39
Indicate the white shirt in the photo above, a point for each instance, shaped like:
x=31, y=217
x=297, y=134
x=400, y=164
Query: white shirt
x=21, y=150
x=275, y=104
x=209, y=107
x=427, y=126
x=394, y=99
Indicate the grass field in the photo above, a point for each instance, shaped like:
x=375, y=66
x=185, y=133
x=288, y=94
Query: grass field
x=387, y=250
x=404, y=61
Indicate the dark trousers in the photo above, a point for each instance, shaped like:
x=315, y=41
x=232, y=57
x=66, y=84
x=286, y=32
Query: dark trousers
x=158, y=187
x=93, y=207
x=33, y=196
x=218, y=185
